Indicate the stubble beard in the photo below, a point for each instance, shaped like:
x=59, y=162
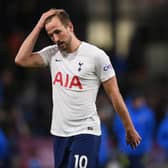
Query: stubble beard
x=66, y=45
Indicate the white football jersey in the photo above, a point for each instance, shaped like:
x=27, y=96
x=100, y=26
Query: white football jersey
x=76, y=78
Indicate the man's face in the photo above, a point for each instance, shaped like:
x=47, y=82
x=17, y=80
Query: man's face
x=60, y=34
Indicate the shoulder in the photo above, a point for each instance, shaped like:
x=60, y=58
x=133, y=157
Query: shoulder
x=94, y=53
x=51, y=49
x=92, y=49
x=54, y=47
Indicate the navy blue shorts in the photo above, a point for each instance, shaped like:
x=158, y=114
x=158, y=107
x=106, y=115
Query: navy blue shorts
x=80, y=151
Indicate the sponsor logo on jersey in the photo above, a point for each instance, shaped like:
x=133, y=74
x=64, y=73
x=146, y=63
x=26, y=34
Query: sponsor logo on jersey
x=66, y=81
x=107, y=67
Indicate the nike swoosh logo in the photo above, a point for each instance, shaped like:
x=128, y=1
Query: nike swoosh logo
x=57, y=60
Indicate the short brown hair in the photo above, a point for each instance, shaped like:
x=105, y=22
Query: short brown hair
x=62, y=15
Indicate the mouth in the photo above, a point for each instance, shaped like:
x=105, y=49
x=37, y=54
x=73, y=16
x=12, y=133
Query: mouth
x=61, y=44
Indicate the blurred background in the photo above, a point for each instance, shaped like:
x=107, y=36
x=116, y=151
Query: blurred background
x=134, y=33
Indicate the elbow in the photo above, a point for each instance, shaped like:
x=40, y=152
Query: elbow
x=18, y=61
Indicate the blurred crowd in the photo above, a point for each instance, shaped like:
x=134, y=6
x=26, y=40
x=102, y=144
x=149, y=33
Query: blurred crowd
x=25, y=94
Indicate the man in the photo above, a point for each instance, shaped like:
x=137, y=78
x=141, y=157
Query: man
x=77, y=69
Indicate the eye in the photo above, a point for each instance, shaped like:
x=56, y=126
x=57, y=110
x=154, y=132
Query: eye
x=57, y=32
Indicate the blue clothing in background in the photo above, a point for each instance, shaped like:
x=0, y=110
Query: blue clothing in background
x=162, y=134
x=144, y=122
x=4, y=146
x=104, y=146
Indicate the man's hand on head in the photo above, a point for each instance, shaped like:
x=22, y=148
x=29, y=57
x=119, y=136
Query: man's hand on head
x=41, y=23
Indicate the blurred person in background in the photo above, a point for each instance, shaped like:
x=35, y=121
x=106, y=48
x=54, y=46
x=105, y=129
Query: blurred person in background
x=162, y=135
x=4, y=150
x=105, y=148
x=144, y=120
x=77, y=70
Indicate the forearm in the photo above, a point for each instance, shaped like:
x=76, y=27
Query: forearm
x=112, y=90
x=27, y=46
x=121, y=109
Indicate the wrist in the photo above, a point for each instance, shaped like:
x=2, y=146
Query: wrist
x=38, y=28
x=129, y=128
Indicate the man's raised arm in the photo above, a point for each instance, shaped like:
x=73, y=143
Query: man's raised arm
x=25, y=56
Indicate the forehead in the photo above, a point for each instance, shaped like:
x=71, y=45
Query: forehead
x=54, y=23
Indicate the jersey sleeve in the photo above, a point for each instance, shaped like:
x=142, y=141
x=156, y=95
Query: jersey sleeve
x=104, y=68
x=47, y=52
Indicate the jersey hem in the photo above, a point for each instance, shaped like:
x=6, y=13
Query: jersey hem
x=73, y=134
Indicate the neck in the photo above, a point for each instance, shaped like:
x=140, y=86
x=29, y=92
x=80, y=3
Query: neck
x=75, y=43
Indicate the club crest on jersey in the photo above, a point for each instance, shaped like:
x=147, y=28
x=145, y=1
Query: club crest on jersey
x=107, y=67
x=80, y=66
x=66, y=81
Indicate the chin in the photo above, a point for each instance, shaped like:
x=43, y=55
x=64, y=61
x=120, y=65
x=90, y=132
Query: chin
x=63, y=49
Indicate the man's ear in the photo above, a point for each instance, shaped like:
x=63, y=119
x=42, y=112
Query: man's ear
x=70, y=26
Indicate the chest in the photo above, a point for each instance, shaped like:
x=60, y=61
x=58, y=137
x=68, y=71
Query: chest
x=73, y=73
x=79, y=66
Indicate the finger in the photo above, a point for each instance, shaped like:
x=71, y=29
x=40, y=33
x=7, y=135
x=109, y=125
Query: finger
x=133, y=145
x=138, y=142
x=49, y=13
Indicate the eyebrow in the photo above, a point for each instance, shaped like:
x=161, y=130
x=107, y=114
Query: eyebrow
x=55, y=31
